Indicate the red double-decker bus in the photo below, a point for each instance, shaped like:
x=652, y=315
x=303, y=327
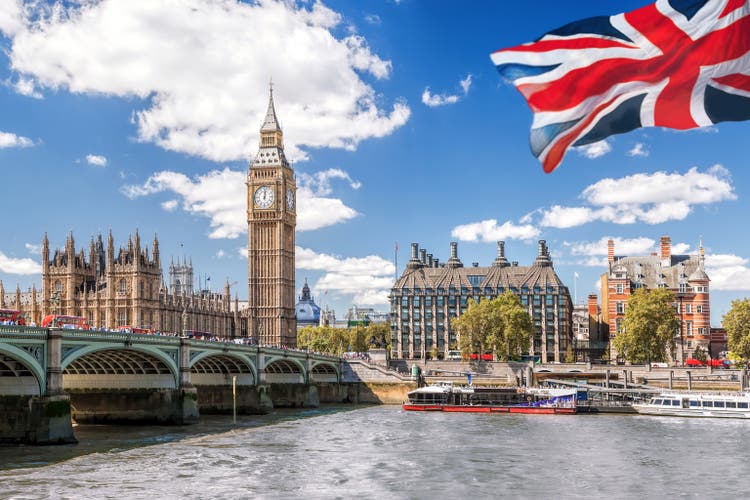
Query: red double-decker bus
x=11, y=316
x=67, y=322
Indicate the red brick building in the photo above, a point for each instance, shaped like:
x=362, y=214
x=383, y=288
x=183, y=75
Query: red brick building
x=683, y=274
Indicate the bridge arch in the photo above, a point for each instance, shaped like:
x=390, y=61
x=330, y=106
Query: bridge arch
x=23, y=374
x=217, y=368
x=324, y=372
x=115, y=366
x=285, y=371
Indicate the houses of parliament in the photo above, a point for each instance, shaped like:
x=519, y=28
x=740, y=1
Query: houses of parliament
x=113, y=288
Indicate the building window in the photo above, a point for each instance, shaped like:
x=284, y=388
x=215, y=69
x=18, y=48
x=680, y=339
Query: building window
x=683, y=287
x=549, y=299
x=618, y=325
x=689, y=328
x=620, y=307
x=689, y=308
x=699, y=309
x=475, y=280
x=619, y=289
x=123, y=287
x=701, y=331
x=58, y=286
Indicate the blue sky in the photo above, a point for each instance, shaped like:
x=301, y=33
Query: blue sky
x=145, y=114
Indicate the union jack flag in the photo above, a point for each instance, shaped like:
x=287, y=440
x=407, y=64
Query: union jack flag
x=678, y=64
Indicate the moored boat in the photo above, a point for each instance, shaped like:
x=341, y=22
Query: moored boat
x=697, y=405
x=444, y=396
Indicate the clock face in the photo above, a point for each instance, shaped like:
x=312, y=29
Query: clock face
x=290, y=199
x=263, y=197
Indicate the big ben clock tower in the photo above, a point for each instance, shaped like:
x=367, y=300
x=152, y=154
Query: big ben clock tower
x=271, y=219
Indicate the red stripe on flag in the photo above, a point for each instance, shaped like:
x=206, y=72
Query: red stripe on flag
x=737, y=81
x=732, y=5
x=569, y=43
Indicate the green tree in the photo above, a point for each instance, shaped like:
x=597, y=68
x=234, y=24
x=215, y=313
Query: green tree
x=512, y=328
x=570, y=357
x=737, y=324
x=650, y=326
x=700, y=354
x=500, y=324
x=472, y=328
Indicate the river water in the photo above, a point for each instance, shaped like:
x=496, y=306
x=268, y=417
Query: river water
x=383, y=452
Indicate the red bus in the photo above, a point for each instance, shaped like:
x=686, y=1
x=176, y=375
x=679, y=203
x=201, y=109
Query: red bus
x=67, y=322
x=485, y=357
x=12, y=316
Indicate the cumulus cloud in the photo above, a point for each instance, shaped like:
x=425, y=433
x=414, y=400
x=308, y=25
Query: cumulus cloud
x=366, y=279
x=594, y=150
x=638, y=150
x=200, y=69
x=728, y=272
x=12, y=265
x=96, y=160
x=220, y=197
x=623, y=246
x=489, y=231
x=434, y=100
x=9, y=140
x=651, y=198
x=170, y=205
x=34, y=249
x=372, y=19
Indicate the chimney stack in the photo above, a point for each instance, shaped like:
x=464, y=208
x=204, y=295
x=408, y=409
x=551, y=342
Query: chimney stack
x=666, y=251
x=423, y=256
x=610, y=251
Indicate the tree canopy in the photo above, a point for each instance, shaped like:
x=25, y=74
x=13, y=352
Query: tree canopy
x=737, y=324
x=650, y=326
x=501, y=325
x=330, y=340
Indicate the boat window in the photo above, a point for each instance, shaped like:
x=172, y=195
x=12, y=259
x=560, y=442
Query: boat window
x=667, y=403
x=694, y=403
x=731, y=404
x=708, y=404
x=656, y=402
x=675, y=402
x=741, y=405
x=719, y=404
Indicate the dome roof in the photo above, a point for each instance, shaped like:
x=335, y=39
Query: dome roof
x=698, y=275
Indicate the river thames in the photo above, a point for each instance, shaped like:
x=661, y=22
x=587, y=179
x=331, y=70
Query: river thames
x=383, y=452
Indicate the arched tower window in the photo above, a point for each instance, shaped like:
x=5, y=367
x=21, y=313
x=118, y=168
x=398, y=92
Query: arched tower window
x=123, y=287
x=58, y=286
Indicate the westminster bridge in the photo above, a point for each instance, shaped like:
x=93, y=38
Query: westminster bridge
x=50, y=376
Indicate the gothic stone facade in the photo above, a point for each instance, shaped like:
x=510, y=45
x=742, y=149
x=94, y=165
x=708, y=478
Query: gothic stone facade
x=126, y=288
x=428, y=295
x=271, y=221
x=682, y=274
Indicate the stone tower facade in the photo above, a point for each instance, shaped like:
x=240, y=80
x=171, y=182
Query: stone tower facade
x=271, y=221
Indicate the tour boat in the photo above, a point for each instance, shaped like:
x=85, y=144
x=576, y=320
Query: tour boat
x=697, y=405
x=444, y=396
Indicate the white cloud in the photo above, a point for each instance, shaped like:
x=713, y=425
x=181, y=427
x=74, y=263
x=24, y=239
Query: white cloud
x=34, y=249
x=563, y=217
x=25, y=86
x=221, y=253
x=489, y=231
x=623, y=246
x=372, y=19
x=728, y=272
x=11, y=17
x=651, y=198
x=11, y=265
x=220, y=196
x=367, y=279
x=201, y=70
x=9, y=140
x=638, y=150
x=96, y=160
x=433, y=100
x=169, y=205
x=594, y=150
